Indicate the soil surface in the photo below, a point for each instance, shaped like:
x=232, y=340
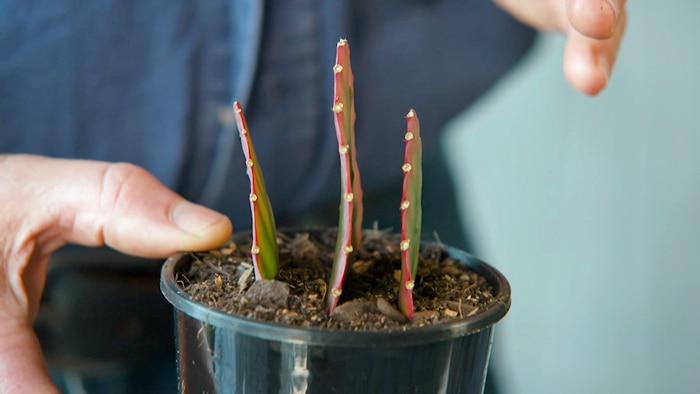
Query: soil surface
x=444, y=288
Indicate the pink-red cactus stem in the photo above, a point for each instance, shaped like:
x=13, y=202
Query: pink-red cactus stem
x=264, y=247
x=350, y=221
x=410, y=212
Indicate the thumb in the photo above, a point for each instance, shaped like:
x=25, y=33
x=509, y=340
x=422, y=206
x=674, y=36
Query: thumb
x=58, y=201
x=134, y=213
x=119, y=205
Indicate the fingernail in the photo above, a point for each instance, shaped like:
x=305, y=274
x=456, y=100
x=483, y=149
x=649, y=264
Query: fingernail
x=195, y=219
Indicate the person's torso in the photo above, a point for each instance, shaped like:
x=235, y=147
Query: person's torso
x=151, y=82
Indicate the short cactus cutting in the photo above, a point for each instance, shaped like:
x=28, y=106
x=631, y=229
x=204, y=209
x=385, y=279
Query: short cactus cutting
x=349, y=239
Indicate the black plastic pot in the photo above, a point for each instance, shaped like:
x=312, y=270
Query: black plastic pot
x=222, y=353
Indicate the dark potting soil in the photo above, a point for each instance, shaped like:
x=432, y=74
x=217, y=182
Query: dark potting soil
x=444, y=288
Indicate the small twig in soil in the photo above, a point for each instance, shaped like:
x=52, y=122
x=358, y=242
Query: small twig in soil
x=212, y=266
x=243, y=279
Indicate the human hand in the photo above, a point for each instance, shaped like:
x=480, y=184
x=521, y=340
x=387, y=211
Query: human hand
x=46, y=203
x=594, y=30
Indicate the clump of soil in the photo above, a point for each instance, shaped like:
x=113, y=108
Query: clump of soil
x=444, y=288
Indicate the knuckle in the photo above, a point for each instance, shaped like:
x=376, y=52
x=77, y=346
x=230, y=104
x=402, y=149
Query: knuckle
x=117, y=179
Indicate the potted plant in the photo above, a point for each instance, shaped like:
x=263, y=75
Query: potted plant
x=341, y=310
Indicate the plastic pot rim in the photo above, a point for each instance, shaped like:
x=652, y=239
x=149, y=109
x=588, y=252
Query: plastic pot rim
x=316, y=336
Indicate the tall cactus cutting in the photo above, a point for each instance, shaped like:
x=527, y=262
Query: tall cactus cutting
x=411, y=212
x=264, y=247
x=350, y=221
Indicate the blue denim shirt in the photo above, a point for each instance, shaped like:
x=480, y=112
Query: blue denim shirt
x=151, y=82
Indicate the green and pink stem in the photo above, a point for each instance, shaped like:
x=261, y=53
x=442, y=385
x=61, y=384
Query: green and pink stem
x=264, y=247
x=350, y=222
x=411, y=212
